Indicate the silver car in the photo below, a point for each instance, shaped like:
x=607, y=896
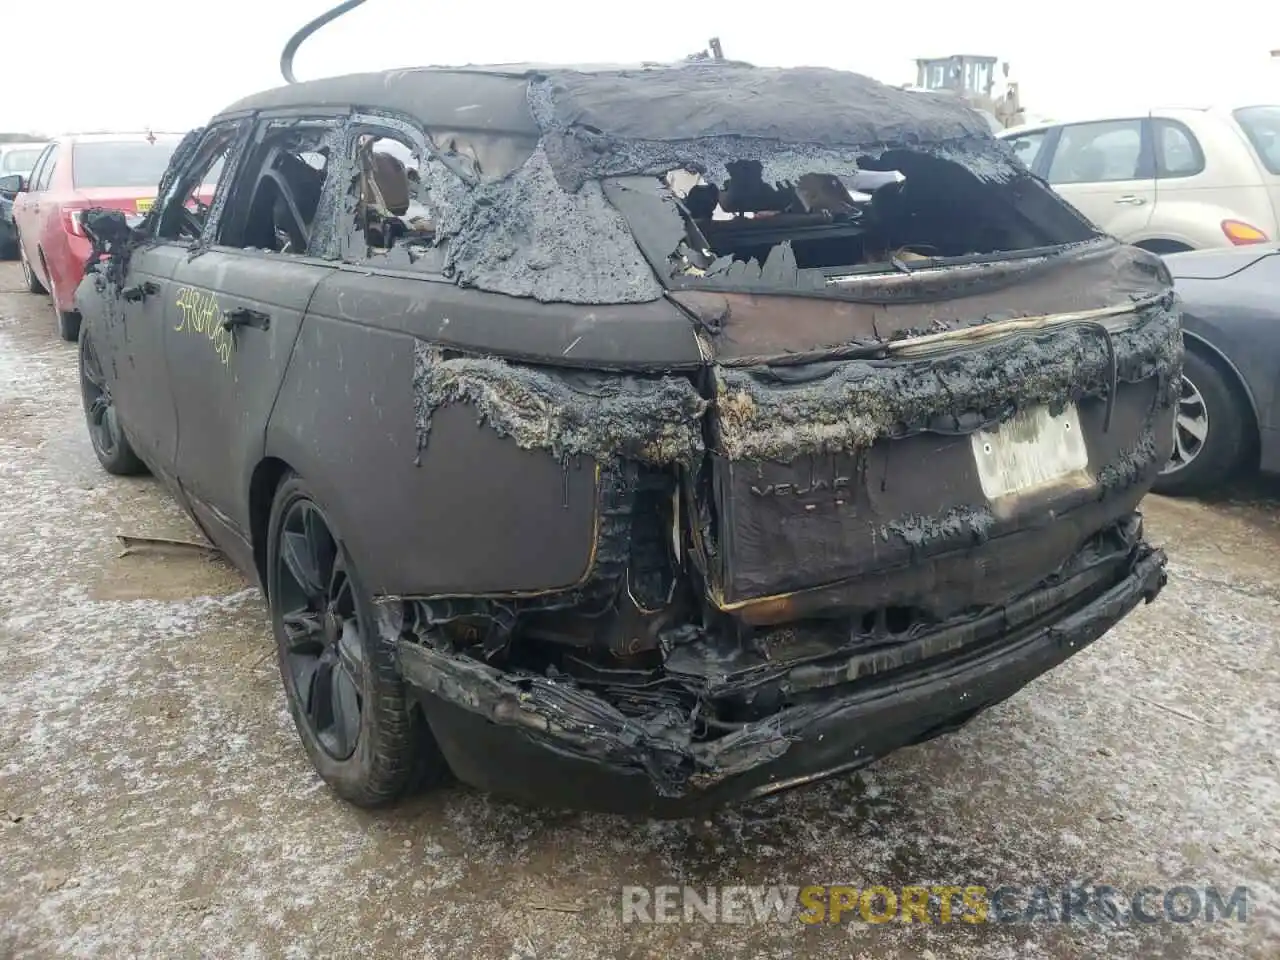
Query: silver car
x=1168, y=179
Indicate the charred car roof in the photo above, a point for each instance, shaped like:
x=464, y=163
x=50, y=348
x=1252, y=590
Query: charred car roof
x=521, y=223
x=694, y=101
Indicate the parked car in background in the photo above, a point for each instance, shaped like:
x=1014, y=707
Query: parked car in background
x=8, y=234
x=1229, y=404
x=608, y=468
x=20, y=157
x=17, y=157
x=118, y=171
x=1168, y=180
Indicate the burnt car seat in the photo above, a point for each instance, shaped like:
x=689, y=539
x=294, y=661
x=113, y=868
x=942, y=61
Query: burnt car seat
x=284, y=205
x=386, y=193
x=385, y=184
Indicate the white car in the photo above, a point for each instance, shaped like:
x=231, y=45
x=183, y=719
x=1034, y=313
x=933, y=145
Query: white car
x=1168, y=180
x=20, y=157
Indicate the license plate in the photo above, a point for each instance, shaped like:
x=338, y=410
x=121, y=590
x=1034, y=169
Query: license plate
x=146, y=204
x=1032, y=450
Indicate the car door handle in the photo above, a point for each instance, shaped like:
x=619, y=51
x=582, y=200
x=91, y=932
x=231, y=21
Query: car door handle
x=244, y=317
x=1132, y=200
x=140, y=291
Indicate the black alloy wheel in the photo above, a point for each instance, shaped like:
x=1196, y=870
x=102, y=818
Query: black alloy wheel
x=110, y=445
x=341, y=677
x=323, y=646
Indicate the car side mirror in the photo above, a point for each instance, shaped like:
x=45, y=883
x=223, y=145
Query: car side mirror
x=13, y=184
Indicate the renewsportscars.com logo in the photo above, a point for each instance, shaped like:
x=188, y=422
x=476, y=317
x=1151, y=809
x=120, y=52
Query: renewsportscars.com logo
x=832, y=904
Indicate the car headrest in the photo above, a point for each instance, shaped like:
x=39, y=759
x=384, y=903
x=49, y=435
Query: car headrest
x=387, y=183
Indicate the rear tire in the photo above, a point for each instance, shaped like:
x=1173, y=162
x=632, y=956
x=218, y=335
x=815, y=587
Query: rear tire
x=1211, y=430
x=68, y=324
x=28, y=275
x=106, y=433
x=341, y=676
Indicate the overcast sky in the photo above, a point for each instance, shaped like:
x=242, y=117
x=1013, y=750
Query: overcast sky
x=131, y=64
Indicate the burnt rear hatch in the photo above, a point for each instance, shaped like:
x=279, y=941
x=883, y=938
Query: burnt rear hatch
x=902, y=482
x=910, y=477
x=907, y=372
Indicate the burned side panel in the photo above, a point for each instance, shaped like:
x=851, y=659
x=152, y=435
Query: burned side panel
x=474, y=513
x=618, y=337
x=655, y=420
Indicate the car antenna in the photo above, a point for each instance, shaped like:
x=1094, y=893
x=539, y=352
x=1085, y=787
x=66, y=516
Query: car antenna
x=291, y=48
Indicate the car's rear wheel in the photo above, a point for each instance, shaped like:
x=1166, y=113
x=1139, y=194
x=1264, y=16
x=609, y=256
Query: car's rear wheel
x=28, y=275
x=340, y=674
x=1209, y=432
x=110, y=444
x=68, y=324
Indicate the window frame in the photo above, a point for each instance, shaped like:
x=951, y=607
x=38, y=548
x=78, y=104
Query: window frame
x=1145, y=167
x=398, y=128
x=181, y=185
x=38, y=169
x=41, y=184
x=1048, y=136
x=240, y=193
x=1157, y=141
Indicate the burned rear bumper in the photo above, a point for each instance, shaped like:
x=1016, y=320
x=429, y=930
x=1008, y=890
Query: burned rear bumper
x=548, y=741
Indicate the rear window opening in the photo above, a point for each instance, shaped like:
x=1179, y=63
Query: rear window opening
x=129, y=164
x=899, y=209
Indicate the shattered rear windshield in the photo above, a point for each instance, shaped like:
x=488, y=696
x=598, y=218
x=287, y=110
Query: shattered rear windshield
x=869, y=214
x=121, y=163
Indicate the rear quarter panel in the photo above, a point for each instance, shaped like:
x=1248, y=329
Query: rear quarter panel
x=1191, y=209
x=471, y=512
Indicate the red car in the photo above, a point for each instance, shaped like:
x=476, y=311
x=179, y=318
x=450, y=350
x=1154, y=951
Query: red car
x=120, y=171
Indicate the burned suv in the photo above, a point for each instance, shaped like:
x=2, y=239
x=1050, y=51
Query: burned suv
x=636, y=439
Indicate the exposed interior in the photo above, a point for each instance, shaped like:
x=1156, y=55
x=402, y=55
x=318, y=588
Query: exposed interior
x=900, y=207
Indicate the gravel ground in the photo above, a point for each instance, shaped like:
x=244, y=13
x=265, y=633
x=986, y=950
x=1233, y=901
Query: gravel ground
x=154, y=799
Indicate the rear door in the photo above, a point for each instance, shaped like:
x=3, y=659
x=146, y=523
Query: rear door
x=53, y=187
x=26, y=209
x=1106, y=170
x=235, y=312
